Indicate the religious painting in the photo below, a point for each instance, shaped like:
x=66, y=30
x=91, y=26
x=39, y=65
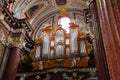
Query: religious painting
x=60, y=2
x=32, y=11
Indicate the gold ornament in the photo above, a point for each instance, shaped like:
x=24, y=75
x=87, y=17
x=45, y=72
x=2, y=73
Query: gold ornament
x=15, y=42
x=63, y=10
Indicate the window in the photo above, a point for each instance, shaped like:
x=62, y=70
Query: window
x=64, y=21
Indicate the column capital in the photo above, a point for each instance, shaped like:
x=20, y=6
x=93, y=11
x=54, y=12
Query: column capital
x=15, y=42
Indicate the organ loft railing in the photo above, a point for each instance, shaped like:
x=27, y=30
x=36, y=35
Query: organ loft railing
x=59, y=48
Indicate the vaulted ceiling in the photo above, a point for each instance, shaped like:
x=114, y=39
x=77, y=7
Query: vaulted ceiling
x=38, y=11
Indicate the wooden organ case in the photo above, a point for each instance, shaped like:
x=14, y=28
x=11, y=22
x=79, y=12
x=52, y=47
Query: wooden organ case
x=60, y=49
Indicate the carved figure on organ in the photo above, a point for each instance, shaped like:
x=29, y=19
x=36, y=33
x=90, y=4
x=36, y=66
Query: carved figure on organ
x=40, y=65
x=74, y=62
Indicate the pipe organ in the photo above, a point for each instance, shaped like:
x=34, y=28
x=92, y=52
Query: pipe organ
x=55, y=47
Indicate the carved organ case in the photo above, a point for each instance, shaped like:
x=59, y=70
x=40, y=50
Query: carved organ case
x=42, y=47
x=59, y=44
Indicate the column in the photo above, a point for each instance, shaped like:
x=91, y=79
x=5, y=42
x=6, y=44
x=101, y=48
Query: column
x=4, y=62
x=99, y=52
x=109, y=16
x=15, y=43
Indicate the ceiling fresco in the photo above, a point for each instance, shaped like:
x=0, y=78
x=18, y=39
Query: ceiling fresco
x=61, y=2
x=32, y=11
x=22, y=6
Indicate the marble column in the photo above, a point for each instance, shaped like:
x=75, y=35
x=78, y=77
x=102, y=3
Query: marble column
x=99, y=52
x=4, y=62
x=13, y=61
x=16, y=44
x=109, y=16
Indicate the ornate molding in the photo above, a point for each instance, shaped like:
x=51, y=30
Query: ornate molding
x=11, y=41
x=15, y=23
x=60, y=69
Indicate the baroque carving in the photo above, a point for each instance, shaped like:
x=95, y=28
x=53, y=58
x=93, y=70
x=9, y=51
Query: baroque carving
x=2, y=37
x=15, y=42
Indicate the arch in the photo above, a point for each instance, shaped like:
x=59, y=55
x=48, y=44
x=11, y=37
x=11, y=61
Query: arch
x=41, y=19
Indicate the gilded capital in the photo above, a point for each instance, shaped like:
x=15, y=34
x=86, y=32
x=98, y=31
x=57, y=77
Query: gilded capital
x=15, y=42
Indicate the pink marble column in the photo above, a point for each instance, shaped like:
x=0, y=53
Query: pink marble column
x=109, y=16
x=99, y=51
x=13, y=61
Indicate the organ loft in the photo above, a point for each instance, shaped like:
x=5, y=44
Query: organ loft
x=59, y=39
